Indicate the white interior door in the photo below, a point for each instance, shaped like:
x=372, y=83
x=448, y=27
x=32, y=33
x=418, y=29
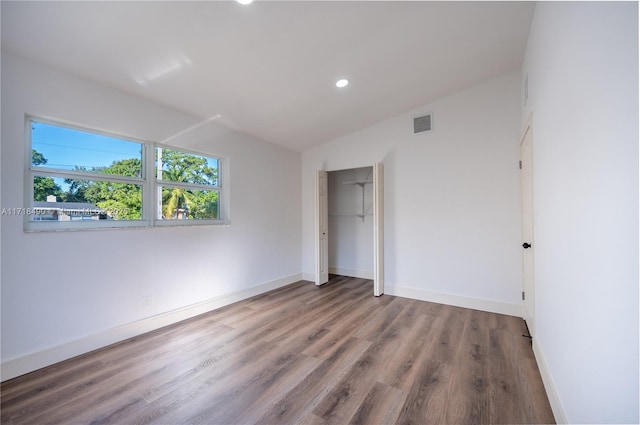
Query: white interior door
x=378, y=229
x=321, y=229
x=526, y=181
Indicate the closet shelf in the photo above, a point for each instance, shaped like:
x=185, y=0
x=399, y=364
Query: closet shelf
x=359, y=183
x=362, y=184
x=351, y=215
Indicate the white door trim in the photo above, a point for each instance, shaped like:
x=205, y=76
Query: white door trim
x=378, y=229
x=528, y=257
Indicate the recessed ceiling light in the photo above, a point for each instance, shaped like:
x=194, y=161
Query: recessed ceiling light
x=342, y=83
x=245, y=2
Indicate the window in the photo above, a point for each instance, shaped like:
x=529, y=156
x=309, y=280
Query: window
x=187, y=185
x=83, y=179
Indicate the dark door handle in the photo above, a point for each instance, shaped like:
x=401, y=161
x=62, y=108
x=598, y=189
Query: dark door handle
x=526, y=245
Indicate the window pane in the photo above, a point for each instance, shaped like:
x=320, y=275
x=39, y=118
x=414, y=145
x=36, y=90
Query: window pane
x=60, y=199
x=185, y=167
x=186, y=204
x=68, y=149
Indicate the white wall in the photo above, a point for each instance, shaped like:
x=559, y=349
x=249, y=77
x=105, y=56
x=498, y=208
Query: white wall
x=582, y=63
x=59, y=287
x=452, y=203
x=350, y=237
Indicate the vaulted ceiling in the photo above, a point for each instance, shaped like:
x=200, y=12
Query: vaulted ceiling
x=269, y=69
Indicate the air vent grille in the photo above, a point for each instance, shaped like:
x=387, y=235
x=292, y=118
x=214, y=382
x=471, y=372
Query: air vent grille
x=422, y=124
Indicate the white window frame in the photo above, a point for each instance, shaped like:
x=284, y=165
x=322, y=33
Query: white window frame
x=222, y=201
x=148, y=183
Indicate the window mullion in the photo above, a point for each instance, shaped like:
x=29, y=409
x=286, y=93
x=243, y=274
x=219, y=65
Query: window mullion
x=68, y=174
x=151, y=196
x=194, y=186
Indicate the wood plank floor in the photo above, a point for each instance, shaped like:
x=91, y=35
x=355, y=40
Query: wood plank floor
x=300, y=354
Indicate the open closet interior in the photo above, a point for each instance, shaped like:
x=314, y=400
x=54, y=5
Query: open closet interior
x=350, y=210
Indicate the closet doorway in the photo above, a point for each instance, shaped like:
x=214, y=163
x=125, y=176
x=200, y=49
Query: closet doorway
x=349, y=224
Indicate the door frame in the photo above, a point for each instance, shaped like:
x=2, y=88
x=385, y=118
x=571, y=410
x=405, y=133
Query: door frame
x=322, y=216
x=378, y=229
x=528, y=254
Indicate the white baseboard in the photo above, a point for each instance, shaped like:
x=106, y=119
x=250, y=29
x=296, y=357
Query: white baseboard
x=363, y=274
x=311, y=277
x=482, y=304
x=549, y=386
x=30, y=362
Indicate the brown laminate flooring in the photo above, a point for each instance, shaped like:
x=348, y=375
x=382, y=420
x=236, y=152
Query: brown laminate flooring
x=300, y=354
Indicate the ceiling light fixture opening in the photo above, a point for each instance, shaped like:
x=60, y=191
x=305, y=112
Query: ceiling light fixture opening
x=343, y=82
x=245, y=2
